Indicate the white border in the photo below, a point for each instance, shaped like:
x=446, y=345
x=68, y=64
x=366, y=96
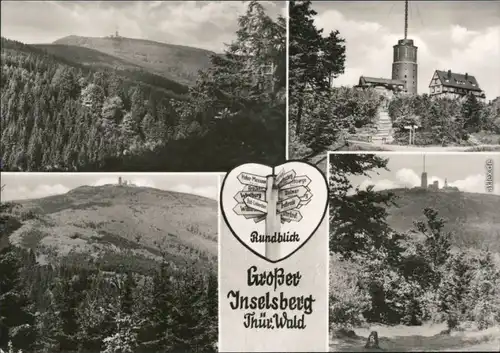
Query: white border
x=327, y=218
x=328, y=250
x=115, y=173
x=487, y=153
x=219, y=220
x=287, y=79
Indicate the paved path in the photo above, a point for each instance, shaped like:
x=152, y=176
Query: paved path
x=424, y=149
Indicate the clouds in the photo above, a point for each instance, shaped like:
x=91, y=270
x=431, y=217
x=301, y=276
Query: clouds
x=21, y=186
x=24, y=193
x=138, y=181
x=202, y=24
x=205, y=191
x=408, y=178
x=445, y=45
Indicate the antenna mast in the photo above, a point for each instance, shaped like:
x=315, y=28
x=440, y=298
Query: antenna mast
x=406, y=19
x=424, y=163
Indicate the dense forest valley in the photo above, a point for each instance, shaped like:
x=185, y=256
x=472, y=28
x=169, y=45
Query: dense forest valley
x=67, y=107
x=109, y=269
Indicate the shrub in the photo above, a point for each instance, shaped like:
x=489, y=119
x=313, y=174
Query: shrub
x=484, y=293
x=454, y=288
x=297, y=149
x=347, y=300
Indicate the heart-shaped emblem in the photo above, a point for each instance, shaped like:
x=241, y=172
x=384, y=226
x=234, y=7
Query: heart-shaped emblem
x=273, y=212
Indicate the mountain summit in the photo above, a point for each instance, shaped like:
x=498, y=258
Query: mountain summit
x=122, y=224
x=174, y=62
x=472, y=217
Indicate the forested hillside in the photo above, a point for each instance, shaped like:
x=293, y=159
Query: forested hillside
x=58, y=115
x=472, y=218
x=175, y=62
x=109, y=269
x=397, y=257
x=89, y=222
x=100, y=61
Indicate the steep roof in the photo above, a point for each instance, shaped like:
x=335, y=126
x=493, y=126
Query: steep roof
x=385, y=81
x=452, y=79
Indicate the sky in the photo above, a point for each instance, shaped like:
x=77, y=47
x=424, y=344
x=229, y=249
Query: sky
x=467, y=171
x=202, y=24
x=20, y=186
x=463, y=36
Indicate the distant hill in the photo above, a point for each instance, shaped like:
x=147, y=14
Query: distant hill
x=174, y=62
x=64, y=94
x=473, y=218
x=118, y=223
x=99, y=60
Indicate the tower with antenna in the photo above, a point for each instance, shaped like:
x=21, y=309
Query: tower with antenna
x=423, y=179
x=404, y=65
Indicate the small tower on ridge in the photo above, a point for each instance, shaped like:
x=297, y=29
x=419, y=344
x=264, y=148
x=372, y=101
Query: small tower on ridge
x=424, y=177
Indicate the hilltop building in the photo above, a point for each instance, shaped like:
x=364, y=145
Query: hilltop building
x=423, y=180
x=404, y=68
x=115, y=35
x=454, y=85
x=404, y=64
x=435, y=185
x=122, y=182
x=405, y=73
x=384, y=86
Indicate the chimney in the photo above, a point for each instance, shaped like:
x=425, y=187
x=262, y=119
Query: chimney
x=449, y=74
x=466, y=76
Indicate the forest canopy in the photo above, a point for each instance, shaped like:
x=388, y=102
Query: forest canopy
x=62, y=116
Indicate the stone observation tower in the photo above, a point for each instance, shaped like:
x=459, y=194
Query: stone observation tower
x=404, y=65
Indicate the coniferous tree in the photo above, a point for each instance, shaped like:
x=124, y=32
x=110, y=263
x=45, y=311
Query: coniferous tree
x=471, y=116
x=314, y=60
x=358, y=222
x=17, y=322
